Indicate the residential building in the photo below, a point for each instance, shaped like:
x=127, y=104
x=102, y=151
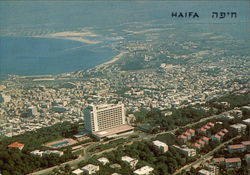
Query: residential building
x=233, y=162
x=205, y=139
x=103, y=160
x=189, y=152
x=163, y=147
x=216, y=137
x=146, y=170
x=77, y=172
x=187, y=134
x=200, y=142
x=247, y=144
x=90, y=169
x=191, y=131
x=37, y=152
x=196, y=145
x=210, y=124
x=240, y=128
x=219, y=161
x=182, y=138
x=131, y=161
x=16, y=145
x=202, y=130
x=236, y=148
x=205, y=172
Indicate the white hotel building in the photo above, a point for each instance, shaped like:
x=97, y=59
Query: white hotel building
x=106, y=120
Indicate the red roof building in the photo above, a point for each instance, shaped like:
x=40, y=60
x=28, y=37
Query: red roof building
x=187, y=134
x=246, y=143
x=210, y=124
x=216, y=137
x=233, y=162
x=183, y=138
x=236, y=148
x=206, y=127
x=202, y=130
x=191, y=131
x=205, y=139
x=16, y=145
x=220, y=160
x=201, y=142
x=196, y=145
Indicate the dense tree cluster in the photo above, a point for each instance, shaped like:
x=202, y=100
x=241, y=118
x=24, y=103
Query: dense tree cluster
x=16, y=162
x=180, y=117
x=234, y=100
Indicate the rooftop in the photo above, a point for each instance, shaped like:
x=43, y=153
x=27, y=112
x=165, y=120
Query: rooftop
x=220, y=159
x=190, y=130
x=16, y=145
x=113, y=131
x=246, y=143
x=182, y=137
x=232, y=160
x=127, y=159
x=159, y=143
x=90, y=167
x=238, y=146
x=144, y=170
x=205, y=138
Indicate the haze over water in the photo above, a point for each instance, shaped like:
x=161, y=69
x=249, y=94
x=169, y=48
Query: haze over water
x=55, y=37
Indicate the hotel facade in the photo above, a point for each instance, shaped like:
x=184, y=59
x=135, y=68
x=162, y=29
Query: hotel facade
x=106, y=120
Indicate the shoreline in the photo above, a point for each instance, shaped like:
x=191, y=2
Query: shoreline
x=114, y=59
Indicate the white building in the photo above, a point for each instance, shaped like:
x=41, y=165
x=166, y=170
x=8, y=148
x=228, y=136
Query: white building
x=106, y=120
x=160, y=145
x=103, y=160
x=146, y=170
x=77, y=171
x=189, y=152
x=90, y=169
x=239, y=127
x=131, y=161
x=37, y=152
x=205, y=172
x=101, y=117
x=48, y=152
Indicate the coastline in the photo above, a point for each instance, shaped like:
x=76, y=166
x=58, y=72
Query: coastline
x=114, y=59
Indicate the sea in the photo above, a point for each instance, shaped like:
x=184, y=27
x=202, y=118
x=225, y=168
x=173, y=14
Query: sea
x=52, y=37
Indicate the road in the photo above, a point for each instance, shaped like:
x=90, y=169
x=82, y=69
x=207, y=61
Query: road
x=74, y=163
x=205, y=157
